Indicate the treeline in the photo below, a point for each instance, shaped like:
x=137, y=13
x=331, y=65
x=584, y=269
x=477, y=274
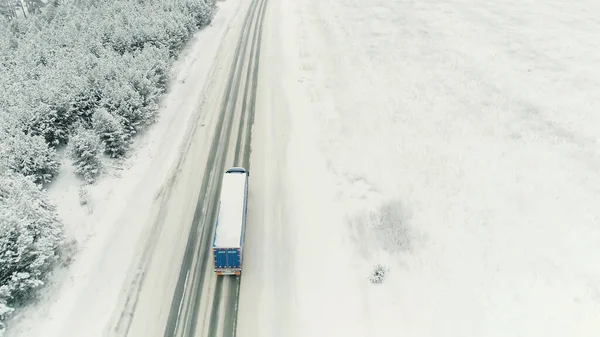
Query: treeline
x=85, y=75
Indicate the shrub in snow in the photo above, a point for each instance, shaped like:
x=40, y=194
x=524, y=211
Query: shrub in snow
x=28, y=155
x=68, y=251
x=85, y=149
x=31, y=237
x=378, y=274
x=390, y=225
x=110, y=130
x=85, y=199
x=83, y=196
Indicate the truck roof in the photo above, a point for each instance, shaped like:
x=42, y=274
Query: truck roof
x=231, y=211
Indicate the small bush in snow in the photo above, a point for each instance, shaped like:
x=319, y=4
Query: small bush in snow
x=391, y=227
x=85, y=148
x=68, y=251
x=31, y=237
x=84, y=197
x=378, y=274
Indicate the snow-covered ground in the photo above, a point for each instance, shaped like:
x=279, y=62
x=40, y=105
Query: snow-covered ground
x=108, y=228
x=456, y=142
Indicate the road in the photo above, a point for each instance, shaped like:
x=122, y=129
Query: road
x=174, y=291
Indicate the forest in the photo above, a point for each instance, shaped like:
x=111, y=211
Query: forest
x=78, y=80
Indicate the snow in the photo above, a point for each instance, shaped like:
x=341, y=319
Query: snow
x=453, y=142
x=108, y=228
x=231, y=211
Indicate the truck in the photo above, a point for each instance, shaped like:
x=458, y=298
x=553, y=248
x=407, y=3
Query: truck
x=228, y=242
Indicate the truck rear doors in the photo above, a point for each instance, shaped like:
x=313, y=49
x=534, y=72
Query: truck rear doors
x=227, y=261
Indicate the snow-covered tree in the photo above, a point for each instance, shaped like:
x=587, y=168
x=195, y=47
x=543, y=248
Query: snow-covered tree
x=201, y=10
x=110, y=130
x=13, y=8
x=52, y=123
x=148, y=74
x=123, y=100
x=7, y=9
x=85, y=148
x=34, y=6
x=28, y=155
x=31, y=238
x=378, y=274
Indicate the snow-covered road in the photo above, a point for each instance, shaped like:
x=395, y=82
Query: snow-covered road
x=456, y=142
x=196, y=302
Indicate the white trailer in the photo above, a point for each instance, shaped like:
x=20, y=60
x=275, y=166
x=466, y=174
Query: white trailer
x=228, y=242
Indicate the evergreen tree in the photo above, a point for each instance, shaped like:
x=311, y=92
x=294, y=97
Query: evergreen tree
x=31, y=237
x=110, y=130
x=85, y=148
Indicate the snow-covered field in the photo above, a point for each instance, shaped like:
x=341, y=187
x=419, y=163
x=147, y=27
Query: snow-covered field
x=456, y=142
x=84, y=296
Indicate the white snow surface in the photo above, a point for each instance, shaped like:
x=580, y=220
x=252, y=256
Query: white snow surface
x=231, y=211
x=455, y=142
x=84, y=296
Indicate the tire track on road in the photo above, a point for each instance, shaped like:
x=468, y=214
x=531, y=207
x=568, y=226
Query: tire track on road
x=250, y=121
x=246, y=93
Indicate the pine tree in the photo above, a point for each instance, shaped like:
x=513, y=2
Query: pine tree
x=31, y=238
x=85, y=148
x=110, y=130
x=28, y=155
